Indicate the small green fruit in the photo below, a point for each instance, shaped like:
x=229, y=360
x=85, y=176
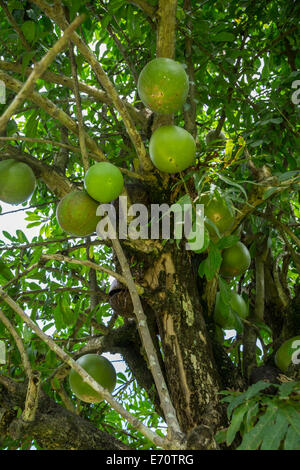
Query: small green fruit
x=219, y=213
x=17, y=181
x=101, y=370
x=288, y=351
x=104, y=182
x=76, y=214
x=172, y=149
x=227, y=318
x=236, y=260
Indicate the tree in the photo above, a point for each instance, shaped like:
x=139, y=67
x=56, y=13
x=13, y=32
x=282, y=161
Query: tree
x=70, y=71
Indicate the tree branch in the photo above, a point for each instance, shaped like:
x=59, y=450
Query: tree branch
x=55, y=112
x=90, y=264
x=101, y=96
x=37, y=72
x=84, y=153
x=57, y=15
x=153, y=437
x=19, y=343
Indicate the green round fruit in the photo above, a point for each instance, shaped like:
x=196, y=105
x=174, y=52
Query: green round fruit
x=283, y=356
x=214, y=140
x=76, y=214
x=163, y=85
x=17, y=181
x=226, y=318
x=101, y=370
x=104, y=182
x=236, y=260
x=172, y=149
x=218, y=212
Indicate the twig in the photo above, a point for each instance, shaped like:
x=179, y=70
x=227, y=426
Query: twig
x=280, y=225
x=98, y=294
x=37, y=72
x=135, y=422
x=89, y=264
x=84, y=153
x=260, y=288
x=41, y=141
x=281, y=294
x=19, y=343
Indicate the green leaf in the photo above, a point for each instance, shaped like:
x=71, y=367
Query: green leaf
x=265, y=425
x=292, y=440
x=251, y=392
x=5, y=271
x=236, y=421
x=293, y=417
x=224, y=36
x=211, y=264
x=28, y=28
x=233, y=183
x=68, y=316
x=225, y=291
x=227, y=242
x=273, y=438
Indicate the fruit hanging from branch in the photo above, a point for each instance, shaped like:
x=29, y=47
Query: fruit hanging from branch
x=289, y=352
x=219, y=212
x=172, y=149
x=163, y=85
x=227, y=317
x=76, y=214
x=98, y=367
x=17, y=181
x=236, y=260
x=104, y=182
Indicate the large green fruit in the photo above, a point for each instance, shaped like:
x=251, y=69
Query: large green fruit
x=227, y=319
x=172, y=149
x=219, y=212
x=284, y=355
x=163, y=85
x=104, y=182
x=236, y=260
x=17, y=181
x=76, y=214
x=100, y=369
